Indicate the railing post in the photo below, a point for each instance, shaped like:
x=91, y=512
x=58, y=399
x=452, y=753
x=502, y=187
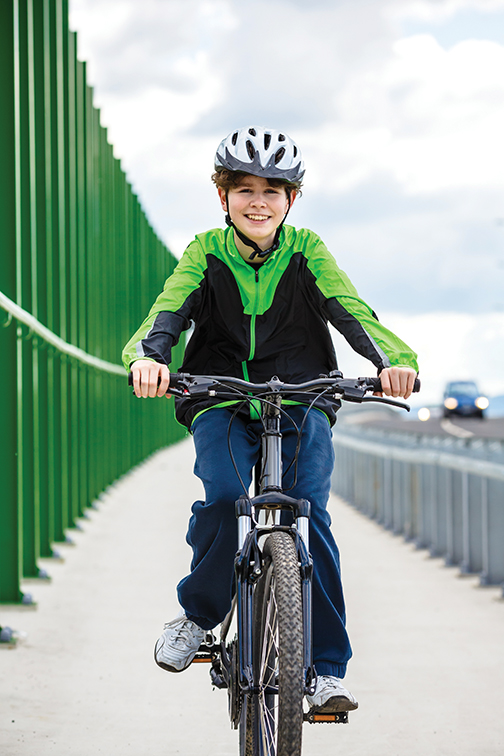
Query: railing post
x=457, y=519
x=424, y=476
x=397, y=489
x=26, y=232
x=485, y=536
x=495, y=531
x=438, y=546
x=10, y=513
x=465, y=565
x=409, y=525
x=450, y=529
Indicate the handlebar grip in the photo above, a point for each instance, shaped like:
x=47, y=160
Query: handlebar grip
x=175, y=378
x=378, y=386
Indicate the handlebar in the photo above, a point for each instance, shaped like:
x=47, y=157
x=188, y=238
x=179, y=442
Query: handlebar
x=335, y=386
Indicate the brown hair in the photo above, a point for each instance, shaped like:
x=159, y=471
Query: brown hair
x=231, y=179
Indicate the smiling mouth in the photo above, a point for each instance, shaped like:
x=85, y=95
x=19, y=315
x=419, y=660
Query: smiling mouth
x=258, y=217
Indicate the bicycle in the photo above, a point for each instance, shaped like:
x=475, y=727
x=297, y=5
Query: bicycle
x=267, y=667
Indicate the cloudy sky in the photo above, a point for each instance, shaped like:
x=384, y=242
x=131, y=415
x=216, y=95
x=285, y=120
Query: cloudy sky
x=398, y=106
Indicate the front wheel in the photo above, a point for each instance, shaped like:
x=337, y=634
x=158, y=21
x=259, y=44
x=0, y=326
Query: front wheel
x=275, y=711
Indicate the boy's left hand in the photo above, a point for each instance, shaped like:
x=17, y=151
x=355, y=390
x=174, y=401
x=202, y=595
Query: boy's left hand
x=397, y=381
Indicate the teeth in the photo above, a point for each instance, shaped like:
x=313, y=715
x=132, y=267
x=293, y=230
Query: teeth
x=258, y=217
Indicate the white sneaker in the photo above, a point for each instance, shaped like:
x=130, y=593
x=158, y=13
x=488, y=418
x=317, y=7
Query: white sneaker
x=330, y=696
x=179, y=644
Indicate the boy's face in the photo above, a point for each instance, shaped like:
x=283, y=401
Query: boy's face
x=256, y=208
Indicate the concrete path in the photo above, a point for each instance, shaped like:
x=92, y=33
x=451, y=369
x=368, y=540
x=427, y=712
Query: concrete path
x=429, y=647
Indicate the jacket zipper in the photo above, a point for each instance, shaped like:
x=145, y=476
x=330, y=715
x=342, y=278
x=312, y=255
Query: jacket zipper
x=253, y=318
x=255, y=405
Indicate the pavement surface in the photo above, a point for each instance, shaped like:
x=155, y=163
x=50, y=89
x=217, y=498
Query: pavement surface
x=428, y=645
x=491, y=429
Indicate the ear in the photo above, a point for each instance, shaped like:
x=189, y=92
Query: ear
x=222, y=197
x=293, y=195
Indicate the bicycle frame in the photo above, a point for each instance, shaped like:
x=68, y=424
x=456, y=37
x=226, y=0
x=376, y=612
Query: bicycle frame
x=257, y=517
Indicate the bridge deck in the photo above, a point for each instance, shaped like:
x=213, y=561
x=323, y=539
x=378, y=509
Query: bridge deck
x=427, y=671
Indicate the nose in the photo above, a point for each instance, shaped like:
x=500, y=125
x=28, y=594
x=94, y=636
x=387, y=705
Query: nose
x=258, y=200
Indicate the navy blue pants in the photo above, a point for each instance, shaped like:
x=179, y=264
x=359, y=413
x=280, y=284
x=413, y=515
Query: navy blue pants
x=206, y=592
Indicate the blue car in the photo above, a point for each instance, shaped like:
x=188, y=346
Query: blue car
x=463, y=398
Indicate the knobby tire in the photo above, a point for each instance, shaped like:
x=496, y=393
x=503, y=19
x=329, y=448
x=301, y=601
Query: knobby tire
x=272, y=719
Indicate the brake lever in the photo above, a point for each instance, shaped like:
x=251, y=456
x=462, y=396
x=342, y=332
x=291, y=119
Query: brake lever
x=352, y=392
x=196, y=388
x=386, y=400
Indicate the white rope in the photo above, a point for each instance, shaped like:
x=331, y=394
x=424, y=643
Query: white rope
x=72, y=351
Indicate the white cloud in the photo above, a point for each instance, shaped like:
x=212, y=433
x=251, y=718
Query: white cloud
x=401, y=134
x=437, y=10
x=147, y=131
x=360, y=100
x=432, y=118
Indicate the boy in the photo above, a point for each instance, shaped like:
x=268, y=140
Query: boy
x=260, y=295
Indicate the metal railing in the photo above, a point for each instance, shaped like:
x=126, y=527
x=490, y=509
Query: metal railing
x=80, y=266
x=445, y=495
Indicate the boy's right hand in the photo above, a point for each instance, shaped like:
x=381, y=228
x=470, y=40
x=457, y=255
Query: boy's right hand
x=146, y=377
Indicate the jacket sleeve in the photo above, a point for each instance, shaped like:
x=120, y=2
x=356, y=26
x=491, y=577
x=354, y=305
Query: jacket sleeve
x=351, y=316
x=171, y=313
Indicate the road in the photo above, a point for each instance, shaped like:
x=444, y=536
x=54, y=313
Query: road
x=427, y=668
x=459, y=427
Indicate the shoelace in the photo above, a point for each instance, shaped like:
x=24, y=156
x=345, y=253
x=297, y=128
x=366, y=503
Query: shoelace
x=183, y=635
x=327, y=683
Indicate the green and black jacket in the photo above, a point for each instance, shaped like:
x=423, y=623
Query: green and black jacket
x=259, y=322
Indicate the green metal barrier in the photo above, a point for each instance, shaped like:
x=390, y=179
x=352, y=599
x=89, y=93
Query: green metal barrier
x=80, y=266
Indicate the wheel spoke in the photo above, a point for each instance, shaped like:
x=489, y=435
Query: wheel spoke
x=270, y=647
x=269, y=733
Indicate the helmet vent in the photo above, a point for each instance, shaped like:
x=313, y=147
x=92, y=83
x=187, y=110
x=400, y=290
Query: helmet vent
x=252, y=132
x=250, y=149
x=267, y=141
x=234, y=138
x=281, y=138
x=295, y=151
x=279, y=155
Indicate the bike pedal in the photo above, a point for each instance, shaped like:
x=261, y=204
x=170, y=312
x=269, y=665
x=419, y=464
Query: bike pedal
x=203, y=658
x=207, y=650
x=340, y=717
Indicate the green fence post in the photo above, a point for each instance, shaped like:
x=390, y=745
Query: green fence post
x=82, y=313
x=62, y=158
x=57, y=523
x=23, y=292
x=10, y=513
x=38, y=271
x=73, y=399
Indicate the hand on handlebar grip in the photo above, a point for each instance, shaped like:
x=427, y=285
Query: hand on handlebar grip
x=150, y=379
x=397, y=381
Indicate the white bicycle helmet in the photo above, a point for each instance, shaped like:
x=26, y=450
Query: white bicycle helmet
x=261, y=152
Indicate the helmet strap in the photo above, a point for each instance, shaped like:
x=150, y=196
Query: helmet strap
x=257, y=251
